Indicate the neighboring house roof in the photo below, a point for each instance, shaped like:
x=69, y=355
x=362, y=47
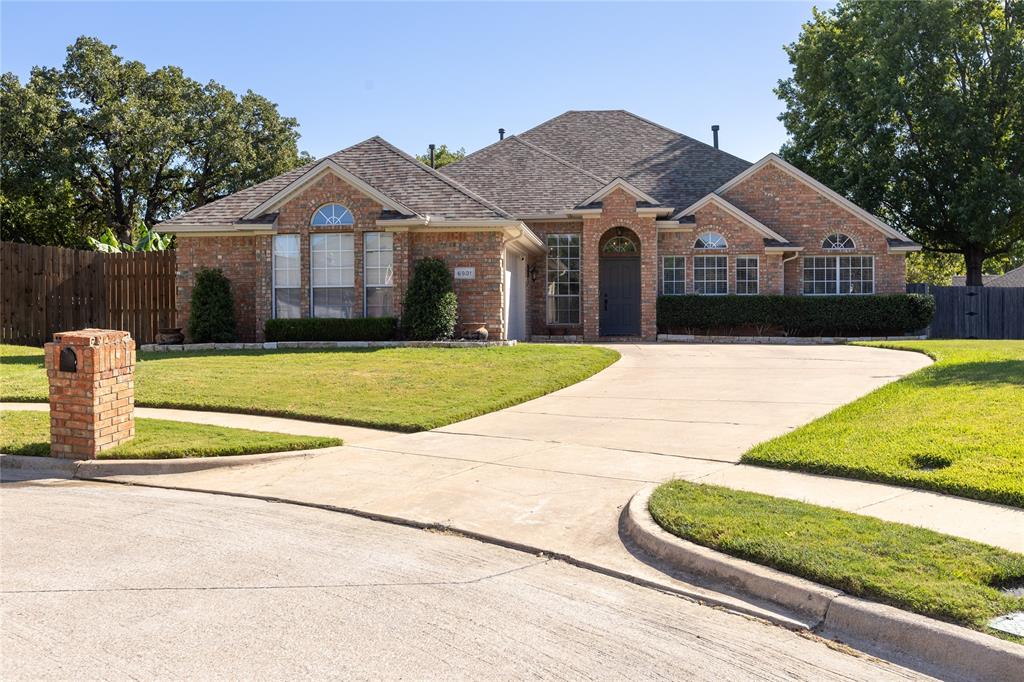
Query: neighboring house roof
x=1013, y=278
x=674, y=169
x=392, y=173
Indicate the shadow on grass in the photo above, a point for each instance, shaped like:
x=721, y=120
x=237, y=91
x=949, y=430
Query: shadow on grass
x=34, y=360
x=150, y=356
x=991, y=373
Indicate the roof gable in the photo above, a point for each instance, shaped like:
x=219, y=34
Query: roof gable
x=375, y=167
x=734, y=211
x=833, y=196
x=627, y=187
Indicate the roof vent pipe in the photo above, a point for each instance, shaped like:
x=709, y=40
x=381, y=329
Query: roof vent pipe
x=431, y=147
x=714, y=132
x=501, y=134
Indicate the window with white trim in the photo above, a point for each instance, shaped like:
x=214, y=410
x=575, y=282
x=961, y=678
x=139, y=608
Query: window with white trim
x=746, y=274
x=711, y=275
x=710, y=240
x=378, y=273
x=563, y=279
x=838, y=242
x=286, y=276
x=332, y=275
x=331, y=214
x=673, y=275
x=838, y=275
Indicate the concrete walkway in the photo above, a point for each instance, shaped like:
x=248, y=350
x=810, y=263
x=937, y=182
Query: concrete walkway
x=555, y=472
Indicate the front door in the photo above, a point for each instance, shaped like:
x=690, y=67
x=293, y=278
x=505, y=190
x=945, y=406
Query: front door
x=620, y=296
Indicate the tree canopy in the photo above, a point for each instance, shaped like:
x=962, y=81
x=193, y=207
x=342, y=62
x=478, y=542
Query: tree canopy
x=443, y=156
x=915, y=110
x=105, y=143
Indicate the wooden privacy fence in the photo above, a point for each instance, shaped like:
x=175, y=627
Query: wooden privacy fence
x=47, y=289
x=975, y=312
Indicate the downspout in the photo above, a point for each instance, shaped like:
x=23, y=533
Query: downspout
x=782, y=273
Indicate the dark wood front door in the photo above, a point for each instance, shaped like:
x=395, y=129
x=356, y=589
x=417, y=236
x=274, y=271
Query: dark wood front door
x=620, y=296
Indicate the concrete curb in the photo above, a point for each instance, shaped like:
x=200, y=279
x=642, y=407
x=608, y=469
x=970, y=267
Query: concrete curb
x=98, y=468
x=938, y=647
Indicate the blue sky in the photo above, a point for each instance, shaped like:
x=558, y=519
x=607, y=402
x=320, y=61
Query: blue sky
x=451, y=73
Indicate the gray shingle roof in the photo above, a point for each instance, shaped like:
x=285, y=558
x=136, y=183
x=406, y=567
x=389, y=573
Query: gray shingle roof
x=523, y=178
x=377, y=163
x=1013, y=278
x=675, y=169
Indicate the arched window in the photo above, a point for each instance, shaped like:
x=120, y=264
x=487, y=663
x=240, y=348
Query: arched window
x=619, y=245
x=331, y=214
x=837, y=240
x=710, y=240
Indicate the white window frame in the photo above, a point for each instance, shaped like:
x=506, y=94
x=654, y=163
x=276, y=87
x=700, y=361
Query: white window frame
x=390, y=278
x=704, y=268
x=312, y=267
x=346, y=219
x=832, y=248
x=273, y=270
x=675, y=268
x=701, y=238
x=548, y=296
x=757, y=275
x=837, y=267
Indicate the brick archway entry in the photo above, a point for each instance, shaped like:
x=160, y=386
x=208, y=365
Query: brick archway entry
x=619, y=283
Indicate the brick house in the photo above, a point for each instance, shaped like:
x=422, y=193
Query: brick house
x=572, y=228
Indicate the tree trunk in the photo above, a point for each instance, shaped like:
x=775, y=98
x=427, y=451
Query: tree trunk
x=974, y=256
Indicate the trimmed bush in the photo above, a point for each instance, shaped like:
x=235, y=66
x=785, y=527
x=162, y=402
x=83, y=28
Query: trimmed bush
x=431, y=307
x=212, y=316
x=331, y=329
x=877, y=315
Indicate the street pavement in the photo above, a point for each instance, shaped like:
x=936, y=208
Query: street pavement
x=120, y=582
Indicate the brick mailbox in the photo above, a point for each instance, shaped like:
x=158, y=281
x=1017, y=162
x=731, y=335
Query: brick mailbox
x=92, y=391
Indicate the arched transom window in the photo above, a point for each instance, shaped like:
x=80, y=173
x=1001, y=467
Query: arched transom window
x=619, y=245
x=331, y=214
x=837, y=240
x=710, y=240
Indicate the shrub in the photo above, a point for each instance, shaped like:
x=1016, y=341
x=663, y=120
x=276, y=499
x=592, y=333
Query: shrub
x=212, y=317
x=431, y=307
x=331, y=329
x=878, y=315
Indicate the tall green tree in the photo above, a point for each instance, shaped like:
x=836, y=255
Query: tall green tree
x=443, y=156
x=103, y=142
x=915, y=110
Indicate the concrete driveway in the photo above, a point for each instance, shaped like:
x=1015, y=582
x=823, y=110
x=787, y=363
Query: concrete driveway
x=111, y=582
x=554, y=473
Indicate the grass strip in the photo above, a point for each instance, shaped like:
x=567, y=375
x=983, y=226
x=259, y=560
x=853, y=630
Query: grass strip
x=28, y=433
x=954, y=427
x=916, y=569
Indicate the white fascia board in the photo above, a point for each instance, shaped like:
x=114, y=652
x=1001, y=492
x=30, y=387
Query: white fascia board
x=619, y=183
x=327, y=165
x=735, y=212
x=586, y=211
x=832, y=195
x=910, y=248
x=782, y=249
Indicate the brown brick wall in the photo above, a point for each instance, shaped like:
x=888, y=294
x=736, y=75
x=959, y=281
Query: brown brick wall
x=805, y=217
x=245, y=260
x=480, y=299
x=91, y=409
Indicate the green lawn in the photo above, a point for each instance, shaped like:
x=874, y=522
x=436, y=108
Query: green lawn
x=28, y=433
x=405, y=389
x=955, y=427
x=912, y=568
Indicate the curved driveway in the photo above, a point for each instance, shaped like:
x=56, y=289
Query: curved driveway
x=554, y=473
